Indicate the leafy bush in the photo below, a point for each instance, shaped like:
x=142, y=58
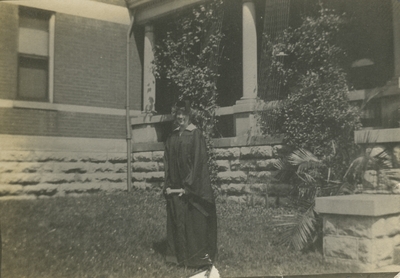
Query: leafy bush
x=315, y=113
x=315, y=116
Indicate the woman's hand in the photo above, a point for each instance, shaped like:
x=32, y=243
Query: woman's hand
x=180, y=191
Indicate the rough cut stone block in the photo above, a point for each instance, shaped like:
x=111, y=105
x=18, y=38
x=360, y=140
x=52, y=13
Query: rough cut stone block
x=161, y=166
x=111, y=187
x=80, y=188
x=341, y=247
x=383, y=249
x=48, y=157
x=142, y=185
x=111, y=177
x=234, y=189
x=268, y=164
x=366, y=251
x=223, y=165
x=10, y=189
x=247, y=165
x=58, y=156
x=20, y=178
x=142, y=157
x=119, y=168
x=117, y=158
x=396, y=240
x=235, y=165
x=392, y=225
x=258, y=187
x=261, y=177
x=94, y=158
x=59, y=178
x=256, y=152
x=8, y=167
x=277, y=150
x=41, y=189
x=356, y=226
x=71, y=168
x=145, y=166
x=138, y=176
x=396, y=156
x=105, y=168
x=228, y=153
x=329, y=225
x=154, y=176
x=17, y=156
x=158, y=156
x=378, y=227
x=236, y=199
x=232, y=177
x=25, y=167
x=246, y=189
x=396, y=256
x=224, y=188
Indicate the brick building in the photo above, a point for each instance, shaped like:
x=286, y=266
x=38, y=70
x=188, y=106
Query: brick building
x=63, y=72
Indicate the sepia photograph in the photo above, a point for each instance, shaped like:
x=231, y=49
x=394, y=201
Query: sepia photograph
x=199, y=138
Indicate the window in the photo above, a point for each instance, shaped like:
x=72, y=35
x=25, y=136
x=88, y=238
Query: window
x=33, y=55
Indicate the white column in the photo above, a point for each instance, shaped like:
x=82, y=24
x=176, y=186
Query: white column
x=249, y=50
x=149, y=82
x=396, y=37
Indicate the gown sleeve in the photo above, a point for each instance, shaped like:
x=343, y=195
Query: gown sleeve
x=198, y=182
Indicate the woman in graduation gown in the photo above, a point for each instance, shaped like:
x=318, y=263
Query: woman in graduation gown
x=191, y=213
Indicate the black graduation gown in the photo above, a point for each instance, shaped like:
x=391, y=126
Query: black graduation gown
x=191, y=218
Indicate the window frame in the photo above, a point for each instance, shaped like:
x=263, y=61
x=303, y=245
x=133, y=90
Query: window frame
x=49, y=17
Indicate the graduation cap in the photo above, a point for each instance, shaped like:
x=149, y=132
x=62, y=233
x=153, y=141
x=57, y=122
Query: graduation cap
x=183, y=104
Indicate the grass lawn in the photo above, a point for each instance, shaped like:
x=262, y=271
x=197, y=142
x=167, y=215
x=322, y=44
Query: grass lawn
x=121, y=235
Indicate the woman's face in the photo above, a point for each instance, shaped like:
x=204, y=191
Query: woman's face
x=182, y=119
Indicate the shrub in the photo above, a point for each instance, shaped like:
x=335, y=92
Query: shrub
x=316, y=114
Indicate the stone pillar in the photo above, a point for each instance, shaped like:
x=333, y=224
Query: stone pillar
x=245, y=122
x=149, y=82
x=361, y=229
x=249, y=51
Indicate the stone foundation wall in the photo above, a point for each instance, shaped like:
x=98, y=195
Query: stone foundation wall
x=32, y=167
x=245, y=173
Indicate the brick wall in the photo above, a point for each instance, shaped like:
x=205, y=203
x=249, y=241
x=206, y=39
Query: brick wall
x=8, y=53
x=58, y=123
x=90, y=63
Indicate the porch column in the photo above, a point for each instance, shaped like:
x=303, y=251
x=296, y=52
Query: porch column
x=396, y=38
x=144, y=127
x=149, y=82
x=245, y=122
x=249, y=50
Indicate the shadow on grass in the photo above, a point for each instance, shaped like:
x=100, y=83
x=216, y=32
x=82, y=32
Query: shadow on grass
x=160, y=247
